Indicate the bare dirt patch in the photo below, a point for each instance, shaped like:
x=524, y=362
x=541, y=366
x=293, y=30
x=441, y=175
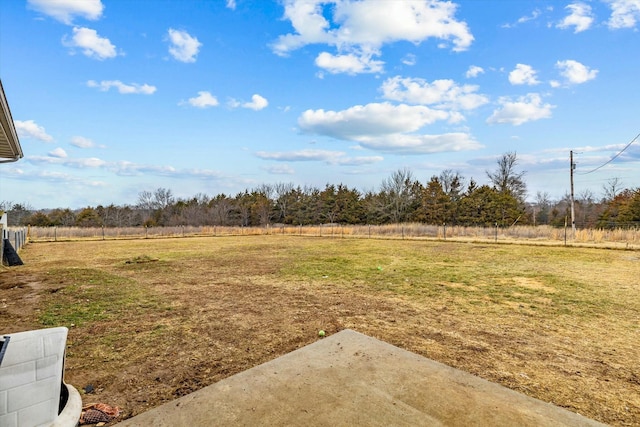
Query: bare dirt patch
x=152, y=321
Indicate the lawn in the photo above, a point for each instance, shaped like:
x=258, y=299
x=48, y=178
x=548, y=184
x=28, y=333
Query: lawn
x=152, y=320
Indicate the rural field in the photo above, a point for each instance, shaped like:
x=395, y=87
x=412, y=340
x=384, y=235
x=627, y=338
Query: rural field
x=154, y=319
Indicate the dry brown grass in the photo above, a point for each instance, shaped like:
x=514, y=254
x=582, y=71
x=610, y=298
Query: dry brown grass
x=539, y=235
x=158, y=318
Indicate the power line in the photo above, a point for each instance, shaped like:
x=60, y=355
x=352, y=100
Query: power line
x=611, y=159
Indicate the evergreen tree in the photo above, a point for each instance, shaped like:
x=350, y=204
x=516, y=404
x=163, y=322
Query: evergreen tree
x=436, y=203
x=88, y=217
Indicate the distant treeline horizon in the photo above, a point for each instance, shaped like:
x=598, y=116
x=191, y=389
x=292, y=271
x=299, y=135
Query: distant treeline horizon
x=448, y=198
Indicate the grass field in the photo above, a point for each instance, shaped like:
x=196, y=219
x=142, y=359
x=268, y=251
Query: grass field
x=152, y=320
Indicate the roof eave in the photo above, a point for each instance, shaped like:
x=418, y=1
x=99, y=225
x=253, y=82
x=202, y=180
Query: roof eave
x=6, y=121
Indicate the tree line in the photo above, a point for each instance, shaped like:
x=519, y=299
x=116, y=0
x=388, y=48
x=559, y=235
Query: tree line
x=448, y=198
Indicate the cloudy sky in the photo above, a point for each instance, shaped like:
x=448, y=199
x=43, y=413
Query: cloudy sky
x=113, y=97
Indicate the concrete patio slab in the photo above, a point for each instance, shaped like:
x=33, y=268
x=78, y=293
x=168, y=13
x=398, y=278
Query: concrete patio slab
x=350, y=379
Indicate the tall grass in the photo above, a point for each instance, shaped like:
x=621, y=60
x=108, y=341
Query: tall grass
x=543, y=235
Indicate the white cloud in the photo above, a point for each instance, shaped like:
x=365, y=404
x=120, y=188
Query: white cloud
x=123, y=88
x=91, y=162
x=525, y=109
x=409, y=59
x=231, y=4
x=580, y=17
x=30, y=129
x=523, y=75
x=326, y=156
x=184, y=47
x=574, y=72
x=351, y=63
x=360, y=160
x=82, y=142
x=65, y=10
x=387, y=127
x=474, y=71
x=624, y=13
x=302, y=155
x=534, y=15
x=441, y=93
x=126, y=168
x=203, y=100
x=91, y=43
x=422, y=144
x=257, y=103
x=280, y=170
x=358, y=29
x=371, y=119
x=58, y=152
x=80, y=163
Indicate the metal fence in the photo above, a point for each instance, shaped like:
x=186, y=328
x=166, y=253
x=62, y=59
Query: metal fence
x=542, y=235
x=17, y=237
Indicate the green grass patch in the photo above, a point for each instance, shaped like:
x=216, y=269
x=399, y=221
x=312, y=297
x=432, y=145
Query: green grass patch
x=498, y=278
x=90, y=295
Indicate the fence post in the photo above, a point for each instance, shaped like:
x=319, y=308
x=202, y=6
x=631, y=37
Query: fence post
x=55, y=234
x=103, y=232
x=496, y=231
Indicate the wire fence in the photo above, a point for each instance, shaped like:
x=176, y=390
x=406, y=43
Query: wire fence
x=542, y=235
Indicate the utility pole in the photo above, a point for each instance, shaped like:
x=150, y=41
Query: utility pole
x=573, y=211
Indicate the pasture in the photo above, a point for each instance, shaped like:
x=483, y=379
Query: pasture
x=152, y=320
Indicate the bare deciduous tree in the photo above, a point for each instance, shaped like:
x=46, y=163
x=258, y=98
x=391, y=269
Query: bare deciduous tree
x=397, y=191
x=283, y=191
x=506, y=179
x=611, y=189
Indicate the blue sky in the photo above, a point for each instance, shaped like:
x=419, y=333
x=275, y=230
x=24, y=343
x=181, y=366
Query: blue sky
x=114, y=97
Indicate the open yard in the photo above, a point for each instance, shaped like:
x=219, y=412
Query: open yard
x=152, y=320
